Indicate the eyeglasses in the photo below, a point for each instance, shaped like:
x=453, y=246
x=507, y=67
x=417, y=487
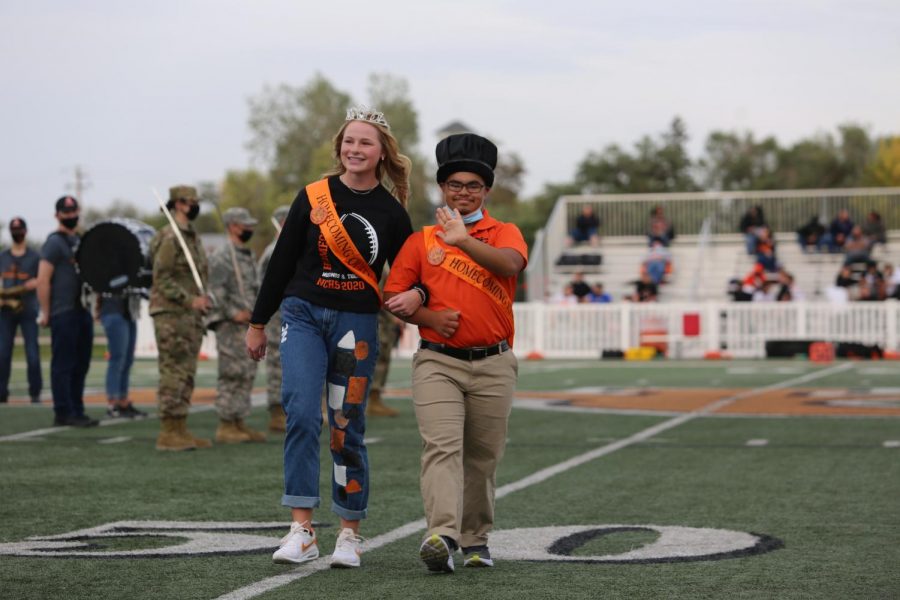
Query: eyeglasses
x=473, y=187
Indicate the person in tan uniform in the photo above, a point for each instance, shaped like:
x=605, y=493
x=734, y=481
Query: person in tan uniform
x=177, y=308
x=277, y=418
x=234, y=283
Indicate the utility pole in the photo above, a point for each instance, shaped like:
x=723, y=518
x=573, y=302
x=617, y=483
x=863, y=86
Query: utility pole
x=81, y=183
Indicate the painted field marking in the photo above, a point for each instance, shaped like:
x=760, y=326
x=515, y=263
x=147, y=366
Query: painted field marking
x=270, y=583
x=372, y=440
x=757, y=443
x=256, y=401
x=759, y=370
x=115, y=440
x=891, y=444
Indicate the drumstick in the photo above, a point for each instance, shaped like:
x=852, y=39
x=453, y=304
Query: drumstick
x=181, y=242
x=234, y=265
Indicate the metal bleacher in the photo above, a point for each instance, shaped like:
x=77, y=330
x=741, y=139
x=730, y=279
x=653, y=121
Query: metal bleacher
x=703, y=260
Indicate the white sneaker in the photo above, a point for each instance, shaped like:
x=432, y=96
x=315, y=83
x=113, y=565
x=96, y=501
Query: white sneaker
x=298, y=546
x=346, y=550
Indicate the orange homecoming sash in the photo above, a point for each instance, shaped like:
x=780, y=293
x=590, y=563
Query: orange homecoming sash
x=459, y=264
x=325, y=216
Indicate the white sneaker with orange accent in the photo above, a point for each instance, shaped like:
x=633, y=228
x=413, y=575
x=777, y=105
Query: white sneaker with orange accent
x=298, y=546
x=346, y=550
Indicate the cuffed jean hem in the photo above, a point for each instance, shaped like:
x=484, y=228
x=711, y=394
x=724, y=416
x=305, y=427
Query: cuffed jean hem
x=349, y=515
x=300, y=501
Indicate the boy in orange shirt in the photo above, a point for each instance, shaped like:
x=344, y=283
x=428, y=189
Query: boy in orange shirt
x=464, y=373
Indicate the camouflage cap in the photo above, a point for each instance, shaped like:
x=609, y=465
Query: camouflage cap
x=240, y=216
x=183, y=192
x=281, y=212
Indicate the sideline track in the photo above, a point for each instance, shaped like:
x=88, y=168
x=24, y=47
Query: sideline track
x=270, y=583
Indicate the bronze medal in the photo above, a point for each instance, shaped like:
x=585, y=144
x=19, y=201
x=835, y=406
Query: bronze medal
x=436, y=255
x=318, y=215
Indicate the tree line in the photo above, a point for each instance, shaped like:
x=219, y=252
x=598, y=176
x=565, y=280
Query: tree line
x=291, y=131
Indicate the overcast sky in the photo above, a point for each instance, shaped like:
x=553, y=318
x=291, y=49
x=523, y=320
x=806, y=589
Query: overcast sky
x=152, y=94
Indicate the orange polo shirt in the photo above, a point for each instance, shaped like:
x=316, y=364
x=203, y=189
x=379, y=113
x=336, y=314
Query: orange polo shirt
x=481, y=321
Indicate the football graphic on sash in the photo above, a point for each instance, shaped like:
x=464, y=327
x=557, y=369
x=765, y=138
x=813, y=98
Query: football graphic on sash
x=363, y=235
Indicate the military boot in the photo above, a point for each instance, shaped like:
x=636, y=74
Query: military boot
x=199, y=442
x=277, y=419
x=377, y=408
x=171, y=437
x=255, y=436
x=228, y=433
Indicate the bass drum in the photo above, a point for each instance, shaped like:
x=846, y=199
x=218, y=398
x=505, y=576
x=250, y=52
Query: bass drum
x=114, y=256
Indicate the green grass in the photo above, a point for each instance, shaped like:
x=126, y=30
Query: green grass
x=826, y=487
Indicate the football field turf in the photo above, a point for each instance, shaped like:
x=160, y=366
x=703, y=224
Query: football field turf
x=690, y=479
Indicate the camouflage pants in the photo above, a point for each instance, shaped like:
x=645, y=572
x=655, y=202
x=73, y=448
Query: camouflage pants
x=273, y=360
x=388, y=332
x=236, y=372
x=178, y=339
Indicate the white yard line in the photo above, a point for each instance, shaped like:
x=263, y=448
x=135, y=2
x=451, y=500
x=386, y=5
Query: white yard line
x=115, y=440
x=757, y=443
x=258, y=399
x=270, y=583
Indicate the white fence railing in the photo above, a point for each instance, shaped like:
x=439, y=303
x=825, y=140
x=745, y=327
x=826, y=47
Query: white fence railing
x=690, y=329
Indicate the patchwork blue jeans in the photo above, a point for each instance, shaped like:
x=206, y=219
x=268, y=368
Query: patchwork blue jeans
x=322, y=348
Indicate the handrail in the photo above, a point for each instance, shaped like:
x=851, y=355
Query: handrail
x=702, y=247
x=784, y=210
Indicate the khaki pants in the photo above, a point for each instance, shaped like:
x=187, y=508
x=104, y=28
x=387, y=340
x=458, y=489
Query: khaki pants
x=462, y=408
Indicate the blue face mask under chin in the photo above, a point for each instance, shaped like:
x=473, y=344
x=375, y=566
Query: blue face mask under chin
x=473, y=217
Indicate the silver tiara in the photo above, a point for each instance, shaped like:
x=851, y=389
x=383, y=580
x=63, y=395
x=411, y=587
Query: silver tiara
x=364, y=113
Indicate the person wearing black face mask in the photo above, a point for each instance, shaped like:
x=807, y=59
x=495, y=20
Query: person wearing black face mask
x=19, y=308
x=234, y=283
x=71, y=324
x=177, y=307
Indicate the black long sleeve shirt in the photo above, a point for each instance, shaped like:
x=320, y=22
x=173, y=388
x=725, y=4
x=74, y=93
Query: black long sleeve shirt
x=303, y=266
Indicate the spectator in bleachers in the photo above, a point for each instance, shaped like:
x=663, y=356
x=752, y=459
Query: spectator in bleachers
x=750, y=284
x=872, y=286
x=843, y=288
x=840, y=229
x=788, y=290
x=856, y=247
x=811, y=234
x=597, y=295
x=751, y=222
x=587, y=227
x=657, y=262
x=845, y=278
x=565, y=296
x=874, y=229
x=891, y=280
x=644, y=290
x=580, y=287
x=659, y=227
x=768, y=291
x=765, y=249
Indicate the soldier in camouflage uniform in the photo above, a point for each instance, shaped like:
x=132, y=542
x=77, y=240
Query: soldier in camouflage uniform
x=234, y=283
x=177, y=308
x=389, y=328
x=277, y=420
